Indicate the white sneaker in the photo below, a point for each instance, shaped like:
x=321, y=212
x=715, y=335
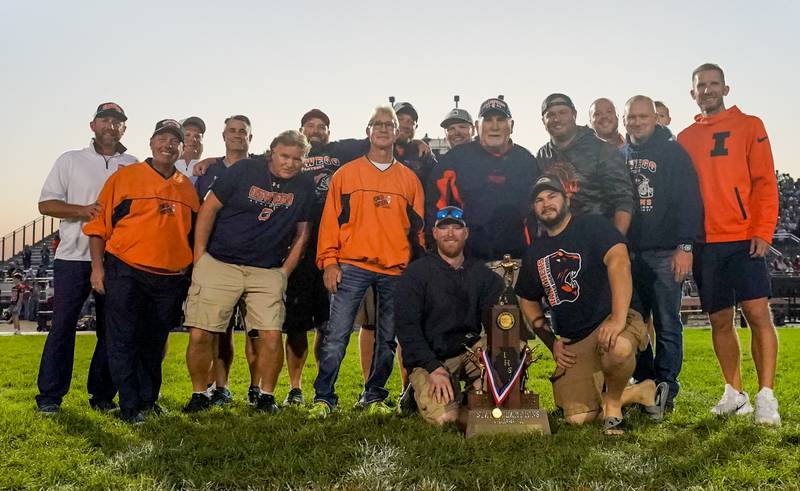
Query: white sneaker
x=767, y=409
x=733, y=402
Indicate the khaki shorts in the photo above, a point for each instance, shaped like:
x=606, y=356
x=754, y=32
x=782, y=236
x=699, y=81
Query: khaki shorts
x=461, y=368
x=367, y=315
x=579, y=389
x=217, y=287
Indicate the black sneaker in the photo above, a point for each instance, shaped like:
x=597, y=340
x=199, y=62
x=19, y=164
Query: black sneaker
x=132, y=416
x=252, y=395
x=102, y=405
x=407, y=405
x=154, y=409
x=295, y=398
x=198, y=402
x=266, y=404
x=221, y=397
x=48, y=409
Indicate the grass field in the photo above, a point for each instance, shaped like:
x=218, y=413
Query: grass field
x=239, y=449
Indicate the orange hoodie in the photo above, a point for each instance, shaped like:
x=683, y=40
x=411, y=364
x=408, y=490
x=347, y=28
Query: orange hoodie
x=733, y=159
x=372, y=218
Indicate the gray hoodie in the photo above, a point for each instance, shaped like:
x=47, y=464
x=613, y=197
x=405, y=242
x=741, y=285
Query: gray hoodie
x=592, y=171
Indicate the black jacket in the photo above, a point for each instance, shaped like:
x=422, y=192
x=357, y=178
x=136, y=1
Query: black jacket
x=669, y=208
x=592, y=170
x=438, y=310
x=494, y=192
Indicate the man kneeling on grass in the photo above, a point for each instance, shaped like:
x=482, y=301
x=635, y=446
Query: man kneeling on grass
x=440, y=303
x=250, y=235
x=581, y=267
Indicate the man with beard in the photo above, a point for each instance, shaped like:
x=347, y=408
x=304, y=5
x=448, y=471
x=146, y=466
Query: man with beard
x=605, y=122
x=251, y=233
x=307, y=305
x=580, y=267
x=441, y=302
x=70, y=193
x=733, y=158
x=237, y=137
x=667, y=221
x=592, y=171
x=371, y=229
x=140, y=251
x=193, y=129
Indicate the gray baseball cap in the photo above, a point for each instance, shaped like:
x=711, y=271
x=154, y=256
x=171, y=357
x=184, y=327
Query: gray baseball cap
x=456, y=115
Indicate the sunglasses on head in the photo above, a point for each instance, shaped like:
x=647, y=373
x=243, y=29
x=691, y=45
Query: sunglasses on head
x=450, y=212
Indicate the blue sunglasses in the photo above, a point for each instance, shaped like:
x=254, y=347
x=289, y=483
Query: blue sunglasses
x=450, y=212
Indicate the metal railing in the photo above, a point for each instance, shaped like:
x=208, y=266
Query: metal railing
x=30, y=233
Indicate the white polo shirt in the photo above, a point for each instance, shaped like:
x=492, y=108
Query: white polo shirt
x=76, y=178
x=187, y=168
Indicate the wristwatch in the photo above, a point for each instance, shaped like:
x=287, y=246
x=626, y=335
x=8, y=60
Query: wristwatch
x=685, y=247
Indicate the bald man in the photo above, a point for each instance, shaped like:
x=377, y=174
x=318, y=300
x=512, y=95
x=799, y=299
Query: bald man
x=605, y=123
x=668, y=217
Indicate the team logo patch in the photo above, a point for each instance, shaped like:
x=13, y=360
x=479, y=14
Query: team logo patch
x=382, y=200
x=558, y=273
x=166, y=208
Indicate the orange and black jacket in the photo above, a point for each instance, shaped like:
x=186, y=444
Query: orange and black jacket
x=372, y=219
x=733, y=159
x=146, y=219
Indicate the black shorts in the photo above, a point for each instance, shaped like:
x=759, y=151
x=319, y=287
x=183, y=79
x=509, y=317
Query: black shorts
x=307, y=304
x=726, y=275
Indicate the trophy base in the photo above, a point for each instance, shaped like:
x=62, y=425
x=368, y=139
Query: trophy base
x=482, y=418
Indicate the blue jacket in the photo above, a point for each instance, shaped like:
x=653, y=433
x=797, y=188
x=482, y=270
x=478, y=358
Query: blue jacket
x=494, y=192
x=669, y=210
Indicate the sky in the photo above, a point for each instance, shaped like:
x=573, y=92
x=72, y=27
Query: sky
x=272, y=61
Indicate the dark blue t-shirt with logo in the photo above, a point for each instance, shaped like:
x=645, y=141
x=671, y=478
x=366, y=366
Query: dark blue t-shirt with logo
x=569, y=273
x=260, y=213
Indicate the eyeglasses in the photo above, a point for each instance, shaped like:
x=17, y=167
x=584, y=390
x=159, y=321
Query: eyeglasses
x=389, y=125
x=450, y=212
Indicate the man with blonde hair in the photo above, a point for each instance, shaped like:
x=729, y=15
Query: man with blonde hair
x=371, y=228
x=250, y=234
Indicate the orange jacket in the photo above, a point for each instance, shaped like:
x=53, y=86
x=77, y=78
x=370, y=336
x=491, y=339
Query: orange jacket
x=733, y=159
x=146, y=219
x=372, y=218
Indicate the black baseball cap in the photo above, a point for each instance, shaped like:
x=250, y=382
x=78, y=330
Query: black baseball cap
x=450, y=214
x=110, y=109
x=196, y=121
x=456, y=115
x=555, y=100
x=494, y=105
x=169, y=126
x=315, y=113
x=545, y=183
x=407, y=108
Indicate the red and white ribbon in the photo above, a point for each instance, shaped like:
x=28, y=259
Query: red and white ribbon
x=501, y=394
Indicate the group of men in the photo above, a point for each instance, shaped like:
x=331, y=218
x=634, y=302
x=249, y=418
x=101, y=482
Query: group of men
x=605, y=227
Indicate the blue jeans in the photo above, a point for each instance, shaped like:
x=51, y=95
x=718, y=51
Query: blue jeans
x=336, y=334
x=660, y=294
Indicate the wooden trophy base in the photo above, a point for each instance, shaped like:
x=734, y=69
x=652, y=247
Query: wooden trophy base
x=481, y=417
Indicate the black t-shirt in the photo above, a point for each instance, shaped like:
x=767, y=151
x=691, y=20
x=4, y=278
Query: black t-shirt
x=259, y=217
x=568, y=271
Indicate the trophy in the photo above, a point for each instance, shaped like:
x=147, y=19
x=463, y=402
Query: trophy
x=502, y=404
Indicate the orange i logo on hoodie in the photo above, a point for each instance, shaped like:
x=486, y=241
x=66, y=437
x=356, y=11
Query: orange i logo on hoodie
x=733, y=159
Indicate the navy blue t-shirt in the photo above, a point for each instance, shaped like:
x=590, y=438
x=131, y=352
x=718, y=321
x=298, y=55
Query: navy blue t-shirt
x=569, y=273
x=213, y=172
x=260, y=213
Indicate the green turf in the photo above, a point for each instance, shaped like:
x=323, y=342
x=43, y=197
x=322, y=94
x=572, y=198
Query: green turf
x=238, y=449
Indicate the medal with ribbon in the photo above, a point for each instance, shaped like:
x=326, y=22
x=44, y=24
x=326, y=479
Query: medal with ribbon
x=499, y=390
